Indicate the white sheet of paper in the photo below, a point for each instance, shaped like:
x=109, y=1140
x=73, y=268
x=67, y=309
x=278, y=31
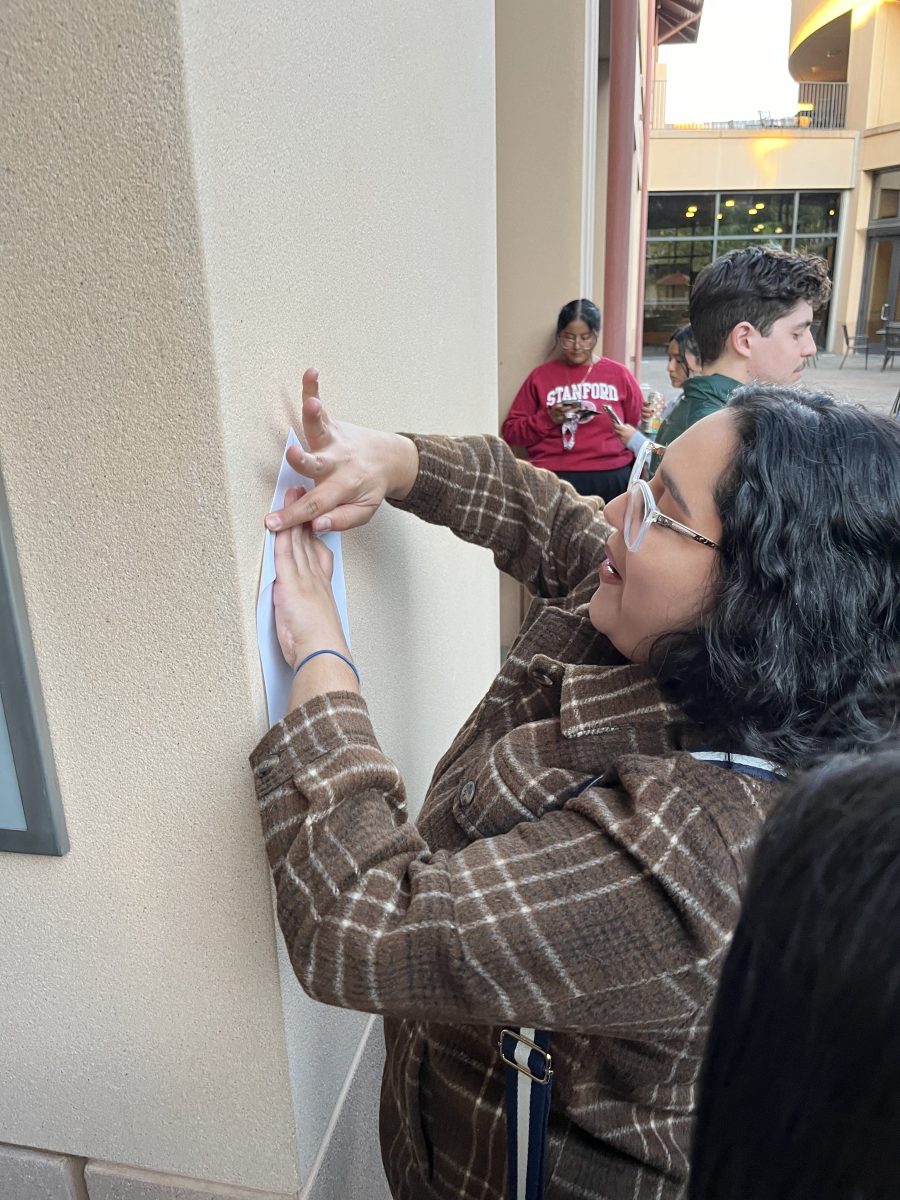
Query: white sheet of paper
x=277, y=675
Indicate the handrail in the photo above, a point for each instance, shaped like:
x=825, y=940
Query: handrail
x=819, y=106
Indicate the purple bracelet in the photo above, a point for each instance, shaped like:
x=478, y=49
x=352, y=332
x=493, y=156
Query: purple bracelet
x=337, y=654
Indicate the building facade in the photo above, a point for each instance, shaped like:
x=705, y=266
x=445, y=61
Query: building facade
x=824, y=178
x=199, y=204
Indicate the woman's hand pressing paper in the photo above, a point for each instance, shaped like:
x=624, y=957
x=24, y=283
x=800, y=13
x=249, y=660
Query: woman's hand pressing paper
x=354, y=469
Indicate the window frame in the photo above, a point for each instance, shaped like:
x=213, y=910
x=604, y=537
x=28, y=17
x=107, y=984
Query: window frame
x=791, y=239
x=26, y=719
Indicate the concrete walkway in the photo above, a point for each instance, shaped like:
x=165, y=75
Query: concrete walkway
x=874, y=388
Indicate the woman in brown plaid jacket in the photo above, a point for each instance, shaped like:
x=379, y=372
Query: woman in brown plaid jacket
x=574, y=867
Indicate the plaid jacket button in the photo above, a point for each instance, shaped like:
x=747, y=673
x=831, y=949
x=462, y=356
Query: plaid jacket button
x=542, y=678
x=467, y=792
x=263, y=768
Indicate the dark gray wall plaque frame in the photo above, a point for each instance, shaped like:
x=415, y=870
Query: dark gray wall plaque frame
x=26, y=721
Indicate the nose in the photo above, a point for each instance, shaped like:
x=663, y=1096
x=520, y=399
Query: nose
x=809, y=345
x=614, y=511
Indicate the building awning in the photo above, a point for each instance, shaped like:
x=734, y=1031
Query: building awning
x=678, y=20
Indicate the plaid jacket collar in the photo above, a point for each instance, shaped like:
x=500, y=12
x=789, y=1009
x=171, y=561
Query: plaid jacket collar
x=620, y=705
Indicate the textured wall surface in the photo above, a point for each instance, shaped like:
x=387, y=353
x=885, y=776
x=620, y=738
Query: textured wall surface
x=345, y=172
x=699, y=160
x=201, y=203
x=540, y=118
x=140, y=1003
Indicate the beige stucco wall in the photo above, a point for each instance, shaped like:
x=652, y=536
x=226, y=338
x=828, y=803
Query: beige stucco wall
x=873, y=96
x=540, y=108
x=851, y=257
x=807, y=16
x=885, y=103
x=192, y=224
x=707, y=160
x=540, y=105
x=880, y=149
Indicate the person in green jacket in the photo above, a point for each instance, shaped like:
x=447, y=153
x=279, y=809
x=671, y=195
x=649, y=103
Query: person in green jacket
x=751, y=312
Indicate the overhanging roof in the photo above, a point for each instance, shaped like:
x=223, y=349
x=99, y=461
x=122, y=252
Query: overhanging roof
x=678, y=20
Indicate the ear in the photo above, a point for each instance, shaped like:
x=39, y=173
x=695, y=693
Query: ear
x=741, y=339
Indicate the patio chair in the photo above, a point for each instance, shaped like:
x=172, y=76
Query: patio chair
x=891, y=347
x=854, y=342
x=895, y=407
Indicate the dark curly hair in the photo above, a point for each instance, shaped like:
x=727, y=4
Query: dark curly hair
x=806, y=611
x=759, y=284
x=808, y=1001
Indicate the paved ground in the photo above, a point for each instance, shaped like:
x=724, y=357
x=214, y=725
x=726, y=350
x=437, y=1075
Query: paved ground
x=874, y=388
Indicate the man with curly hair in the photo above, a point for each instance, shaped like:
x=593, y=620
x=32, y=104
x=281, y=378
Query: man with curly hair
x=751, y=312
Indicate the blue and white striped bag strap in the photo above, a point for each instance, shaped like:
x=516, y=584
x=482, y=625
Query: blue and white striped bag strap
x=745, y=764
x=529, y=1075
x=526, y=1052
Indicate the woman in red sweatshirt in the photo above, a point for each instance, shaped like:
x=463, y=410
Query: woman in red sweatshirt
x=559, y=413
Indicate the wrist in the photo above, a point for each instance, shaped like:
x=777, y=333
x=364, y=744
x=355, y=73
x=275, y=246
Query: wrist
x=332, y=644
x=404, y=467
x=323, y=670
x=344, y=658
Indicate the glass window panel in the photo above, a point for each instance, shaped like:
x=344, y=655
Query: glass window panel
x=822, y=246
x=672, y=267
x=881, y=261
x=31, y=819
x=726, y=244
x=826, y=248
x=760, y=214
x=886, y=196
x=12, y=815
x=680, y=214
x=818, y=212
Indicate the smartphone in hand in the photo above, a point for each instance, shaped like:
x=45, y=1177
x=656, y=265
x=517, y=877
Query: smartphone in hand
x=612, y=414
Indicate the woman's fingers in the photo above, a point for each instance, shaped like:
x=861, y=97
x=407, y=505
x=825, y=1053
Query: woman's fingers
x=311, y=505
x=315, y=420
x=319, y=554
x=307, y=462
x=342, y=518
x=284, y=555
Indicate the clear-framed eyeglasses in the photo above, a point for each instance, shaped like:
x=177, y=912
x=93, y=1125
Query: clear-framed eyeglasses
x=577, y=339
x=641, y=510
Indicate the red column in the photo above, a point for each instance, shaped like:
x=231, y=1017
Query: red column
x=623, y=66
x=649, y=83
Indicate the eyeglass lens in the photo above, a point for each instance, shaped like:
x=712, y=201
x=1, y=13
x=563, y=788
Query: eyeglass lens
x=635, y=518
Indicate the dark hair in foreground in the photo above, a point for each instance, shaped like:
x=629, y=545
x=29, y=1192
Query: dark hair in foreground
x=579, y=310
x=800, y=1091
x=806, y=603
x=759, y=284
x=683, y=337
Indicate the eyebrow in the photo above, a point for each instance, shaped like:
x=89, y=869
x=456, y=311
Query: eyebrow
x=674, y=490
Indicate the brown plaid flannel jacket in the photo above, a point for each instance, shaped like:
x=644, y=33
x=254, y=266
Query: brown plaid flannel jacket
x=602, y=916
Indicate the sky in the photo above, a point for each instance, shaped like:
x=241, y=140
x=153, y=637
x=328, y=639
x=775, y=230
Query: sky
x=738, y=66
